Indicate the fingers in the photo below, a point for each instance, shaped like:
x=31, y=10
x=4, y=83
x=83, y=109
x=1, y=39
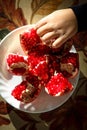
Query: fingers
x=40, y=23
x=43, y=26
x=55, y=42
x=44, y=30
x=59, y=41
x=55, y=38
x=49, y=36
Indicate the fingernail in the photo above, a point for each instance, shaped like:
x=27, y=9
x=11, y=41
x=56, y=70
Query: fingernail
x=53, y=46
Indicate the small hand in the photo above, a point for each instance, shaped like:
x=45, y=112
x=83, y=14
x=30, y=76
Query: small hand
x=60, y=25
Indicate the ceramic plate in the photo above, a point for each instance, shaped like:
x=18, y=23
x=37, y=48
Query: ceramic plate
x=44, y=102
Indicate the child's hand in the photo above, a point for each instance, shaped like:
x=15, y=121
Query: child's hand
x=60, y=25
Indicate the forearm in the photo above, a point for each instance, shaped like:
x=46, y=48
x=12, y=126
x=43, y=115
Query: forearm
x=81, y=15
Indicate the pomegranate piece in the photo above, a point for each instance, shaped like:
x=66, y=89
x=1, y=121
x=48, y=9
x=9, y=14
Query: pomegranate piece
x=54, y=64
x=25, y=92
x=58, y=85
x=69, y=65
x=17, y=91
x=38, y=65
x=29, y=39
x=33, y=80
x=17, y=64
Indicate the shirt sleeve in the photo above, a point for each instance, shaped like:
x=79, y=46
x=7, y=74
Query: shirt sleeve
x=81, y=15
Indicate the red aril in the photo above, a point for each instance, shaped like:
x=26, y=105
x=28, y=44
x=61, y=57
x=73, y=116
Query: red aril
x=58, y=85
x=17, y=64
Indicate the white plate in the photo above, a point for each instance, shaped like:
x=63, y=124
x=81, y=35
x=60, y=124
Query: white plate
x=44, y=102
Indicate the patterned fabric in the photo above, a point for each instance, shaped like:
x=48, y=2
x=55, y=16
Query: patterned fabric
x=73, y=114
